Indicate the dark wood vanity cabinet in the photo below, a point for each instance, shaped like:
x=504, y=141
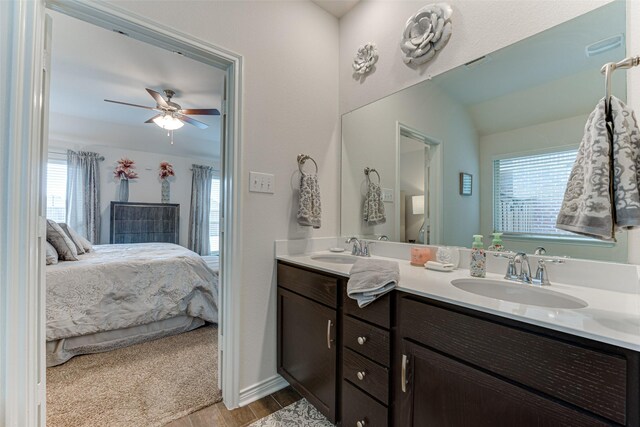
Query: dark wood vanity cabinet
x=407, y=361
x=308, y=337
x=459, y=367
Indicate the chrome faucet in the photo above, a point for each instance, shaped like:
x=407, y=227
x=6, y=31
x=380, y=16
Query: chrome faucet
x=360, y=248
x=525, y=274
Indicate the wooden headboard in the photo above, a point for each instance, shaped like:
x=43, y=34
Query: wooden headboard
x=144, y=222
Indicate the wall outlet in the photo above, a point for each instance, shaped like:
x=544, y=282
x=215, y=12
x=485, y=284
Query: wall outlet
x=261, y=182
x=387, y=195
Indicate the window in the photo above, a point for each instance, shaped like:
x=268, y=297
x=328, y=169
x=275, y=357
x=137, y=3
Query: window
x=56, y=189
x=528, y=192
x=214, y=217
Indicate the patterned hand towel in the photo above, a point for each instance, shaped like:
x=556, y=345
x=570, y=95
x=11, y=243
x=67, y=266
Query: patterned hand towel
x=309, y=209
x=369, y=279
x=592, y=206
x=373, y=205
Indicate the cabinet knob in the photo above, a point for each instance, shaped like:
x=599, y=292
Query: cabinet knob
x=362, y=340
x=361, y=423
x=361, y=375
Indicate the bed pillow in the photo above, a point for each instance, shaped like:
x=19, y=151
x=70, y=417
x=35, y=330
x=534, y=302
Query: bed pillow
x=75, y=237
x=52, y=254
x=88, y=247
x=61, y=242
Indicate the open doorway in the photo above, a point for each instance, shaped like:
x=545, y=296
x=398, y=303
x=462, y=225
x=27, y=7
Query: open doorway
x=138, y=315
x=419, y=169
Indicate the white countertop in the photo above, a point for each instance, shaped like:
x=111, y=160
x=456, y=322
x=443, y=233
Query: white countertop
x=611, y=317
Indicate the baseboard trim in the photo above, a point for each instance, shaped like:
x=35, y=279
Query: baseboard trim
x=261, y=389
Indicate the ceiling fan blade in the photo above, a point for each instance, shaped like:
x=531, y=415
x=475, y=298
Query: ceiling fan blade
x=153, y=118
x=201, y=111
x=191, y=121
x=159, y=99
x=132, y=105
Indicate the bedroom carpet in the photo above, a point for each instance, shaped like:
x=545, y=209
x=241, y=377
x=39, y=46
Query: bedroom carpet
x=148, y=384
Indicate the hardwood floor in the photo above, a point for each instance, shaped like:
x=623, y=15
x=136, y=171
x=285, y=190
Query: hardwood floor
x=219, y=416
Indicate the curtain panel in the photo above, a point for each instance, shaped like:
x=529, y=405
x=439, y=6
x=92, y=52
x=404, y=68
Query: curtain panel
x=83, y=193
x=200, y=207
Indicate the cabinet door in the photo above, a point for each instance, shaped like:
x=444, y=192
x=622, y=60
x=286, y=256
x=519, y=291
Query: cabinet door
x=440, y=391
x=307, y=349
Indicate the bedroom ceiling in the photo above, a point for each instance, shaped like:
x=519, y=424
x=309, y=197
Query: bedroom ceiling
x=90, y=64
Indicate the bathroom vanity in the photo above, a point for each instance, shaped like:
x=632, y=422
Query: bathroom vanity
x=411, y=360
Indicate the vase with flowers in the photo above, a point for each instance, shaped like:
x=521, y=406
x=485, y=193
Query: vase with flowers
x=164, y=172
x=124, y=171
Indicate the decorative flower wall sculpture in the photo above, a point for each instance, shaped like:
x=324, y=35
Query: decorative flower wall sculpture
x=426, y=32
x=365, y=58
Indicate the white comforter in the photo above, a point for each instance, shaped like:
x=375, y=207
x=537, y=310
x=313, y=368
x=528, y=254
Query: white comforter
x=118, y=286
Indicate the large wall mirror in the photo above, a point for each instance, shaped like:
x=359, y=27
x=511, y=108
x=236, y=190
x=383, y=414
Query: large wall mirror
x=487, y=146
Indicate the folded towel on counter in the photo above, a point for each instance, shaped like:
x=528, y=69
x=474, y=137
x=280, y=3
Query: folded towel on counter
x=373, y=205
x=309, y=209
x=610, y=148
x=369, y=279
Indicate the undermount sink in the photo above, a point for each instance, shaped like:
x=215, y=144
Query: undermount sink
x=519, y=293
x=335, y=259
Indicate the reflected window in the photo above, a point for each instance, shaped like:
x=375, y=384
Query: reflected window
x=56, y=189
x=214, y=217
x=528, y=192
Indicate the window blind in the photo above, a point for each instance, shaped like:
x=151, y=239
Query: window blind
x=528, y=192
x=56, y=190
x=214, y=217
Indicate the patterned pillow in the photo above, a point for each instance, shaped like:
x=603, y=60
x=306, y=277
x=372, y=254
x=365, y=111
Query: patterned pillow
x=88, y=247
x=61, y=242
x=52, y=254
x=75, y=237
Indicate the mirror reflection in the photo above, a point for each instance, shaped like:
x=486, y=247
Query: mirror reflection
x=486, y=147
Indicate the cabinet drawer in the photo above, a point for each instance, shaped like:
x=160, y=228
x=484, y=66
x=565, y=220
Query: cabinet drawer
x=374, y=378
x=375, y=341
x=589, y=379
x=378, y=312
x=357, y=406
x=318, y=287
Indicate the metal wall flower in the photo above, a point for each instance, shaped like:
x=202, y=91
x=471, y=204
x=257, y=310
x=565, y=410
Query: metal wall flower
x=365, y=59
x=426, y=32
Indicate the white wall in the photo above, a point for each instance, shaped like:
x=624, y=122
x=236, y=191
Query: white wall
x=560, y=133
x=289, y=106
x=369, y=139
x=146, y=188
x=479, y=27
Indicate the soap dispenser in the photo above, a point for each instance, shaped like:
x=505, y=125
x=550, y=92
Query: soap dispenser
x=478, y=267
x=496, y=244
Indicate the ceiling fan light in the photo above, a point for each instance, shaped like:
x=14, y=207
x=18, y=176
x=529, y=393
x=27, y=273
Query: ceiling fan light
x=168, y=122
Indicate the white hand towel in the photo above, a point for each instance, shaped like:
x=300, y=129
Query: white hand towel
x=369, y=279
x=309, y=209
x=592, y=206
x=373, y=209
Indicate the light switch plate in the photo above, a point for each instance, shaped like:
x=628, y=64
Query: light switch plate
x=387, y=195
x=261, y=182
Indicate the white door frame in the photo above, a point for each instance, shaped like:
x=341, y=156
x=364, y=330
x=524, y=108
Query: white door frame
x=22, y=138
x=435, y=179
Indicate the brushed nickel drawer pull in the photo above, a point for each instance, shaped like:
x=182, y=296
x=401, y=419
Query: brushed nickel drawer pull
x=329, y=325
x=361, y=375
x=403, y=375
x=362, y=340
x=361, y=423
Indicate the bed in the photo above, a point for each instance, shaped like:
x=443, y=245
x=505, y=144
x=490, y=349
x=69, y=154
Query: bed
x=119, y=295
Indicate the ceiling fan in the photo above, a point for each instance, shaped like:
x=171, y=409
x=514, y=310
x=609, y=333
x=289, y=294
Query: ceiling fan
x=171, y=115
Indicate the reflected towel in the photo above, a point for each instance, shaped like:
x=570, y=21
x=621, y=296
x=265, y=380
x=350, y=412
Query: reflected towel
x=369, y=279
x=373, y=205
x=591, y=206
x=309, y=209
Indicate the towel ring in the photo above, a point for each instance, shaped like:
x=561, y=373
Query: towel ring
x=368, y=170
x=302, y=158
